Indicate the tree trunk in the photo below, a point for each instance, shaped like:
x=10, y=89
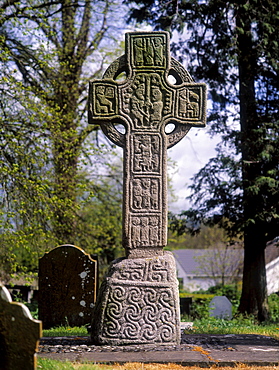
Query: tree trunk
x=65, y=193
x=66, y=146
x=254, y=293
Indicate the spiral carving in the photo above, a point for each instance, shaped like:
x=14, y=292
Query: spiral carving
x=130, y=330
x=148, y=331
x=112, y=328
x=167, y=333
x=139, y=303
x=146, y=314
x=118, y=294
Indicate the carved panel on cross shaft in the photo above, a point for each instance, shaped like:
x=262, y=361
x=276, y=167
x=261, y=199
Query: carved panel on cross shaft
x=145, y=231
x=145, y=194
x=146, y=153
x=150, y=270
x=149, y=51
x=188, y=103
x=146, y=101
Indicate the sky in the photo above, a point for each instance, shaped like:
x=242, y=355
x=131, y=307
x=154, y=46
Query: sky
x=190, y=155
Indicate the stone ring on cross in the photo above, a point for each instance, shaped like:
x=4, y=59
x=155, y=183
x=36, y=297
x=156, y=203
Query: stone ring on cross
x=157, y=92
x=138, y=302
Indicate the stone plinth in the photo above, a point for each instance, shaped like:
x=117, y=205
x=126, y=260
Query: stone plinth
x=138, y=303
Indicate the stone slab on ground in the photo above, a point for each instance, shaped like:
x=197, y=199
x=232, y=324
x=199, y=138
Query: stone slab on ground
x=195, y=349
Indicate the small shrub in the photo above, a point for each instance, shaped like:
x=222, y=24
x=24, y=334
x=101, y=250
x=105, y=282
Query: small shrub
x=230, y=291
x=33, y=308
x=273, y=301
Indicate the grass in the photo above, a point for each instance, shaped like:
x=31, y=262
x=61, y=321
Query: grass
x=238, y=325
x=46, y=364
x=206, y=325
x=62, y=331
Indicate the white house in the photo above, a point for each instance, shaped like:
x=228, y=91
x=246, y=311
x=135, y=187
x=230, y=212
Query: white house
x=272, y=276
x=202, y=268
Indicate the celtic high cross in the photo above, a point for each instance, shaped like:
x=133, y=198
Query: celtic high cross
x=145, y=103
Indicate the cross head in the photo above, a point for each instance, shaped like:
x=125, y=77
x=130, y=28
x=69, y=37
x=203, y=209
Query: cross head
x=157, y=103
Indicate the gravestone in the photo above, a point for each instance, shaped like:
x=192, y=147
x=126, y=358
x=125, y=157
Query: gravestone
x=19, y=334
x=138, y=301
x=67, y=287
x=221, y=308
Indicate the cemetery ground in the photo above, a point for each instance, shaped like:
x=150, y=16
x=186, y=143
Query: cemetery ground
x=207, y=342
x=204, y=326
x=53, y=365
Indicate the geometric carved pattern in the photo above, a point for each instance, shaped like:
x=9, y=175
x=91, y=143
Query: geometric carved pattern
x=140, y=313
x=139, y=303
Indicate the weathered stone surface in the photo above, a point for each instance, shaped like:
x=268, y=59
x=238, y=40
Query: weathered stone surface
x=19, y=334
x=145, y=103
x=220, y=307
x=67, y=287
x=138, y=303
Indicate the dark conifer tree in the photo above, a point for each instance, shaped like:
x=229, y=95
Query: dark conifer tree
x=233, y=47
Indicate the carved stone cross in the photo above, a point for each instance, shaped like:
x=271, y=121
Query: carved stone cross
x=145, y=103
x=138, y=301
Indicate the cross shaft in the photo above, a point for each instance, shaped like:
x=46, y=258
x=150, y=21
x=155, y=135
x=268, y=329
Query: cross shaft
x=145, y=103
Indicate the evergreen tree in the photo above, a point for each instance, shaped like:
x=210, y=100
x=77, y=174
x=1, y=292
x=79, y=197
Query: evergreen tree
x=233, y=46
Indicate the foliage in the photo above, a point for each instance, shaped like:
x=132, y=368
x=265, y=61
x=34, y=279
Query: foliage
x=232, y=292
x=273, y=301
x=201, y=300
x=234, y=48
x=49, y=52
x=202, y=237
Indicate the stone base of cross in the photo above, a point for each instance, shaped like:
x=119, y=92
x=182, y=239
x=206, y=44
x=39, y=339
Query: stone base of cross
x=138, y=303
x=139, y=298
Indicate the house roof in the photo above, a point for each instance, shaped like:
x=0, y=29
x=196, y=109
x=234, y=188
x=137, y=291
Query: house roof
x=187, y=258
x=191, y=259
x=205, y=262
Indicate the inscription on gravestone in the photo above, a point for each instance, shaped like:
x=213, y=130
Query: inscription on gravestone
x=144, y=103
